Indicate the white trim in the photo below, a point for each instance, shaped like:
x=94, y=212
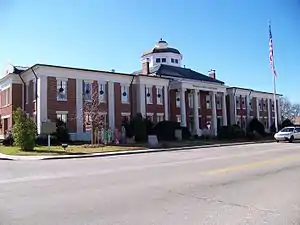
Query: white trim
x=62, y=78
x=5, y=117
x=125, y=114
x=62, y=112
x=160, y=114
x=150, y=114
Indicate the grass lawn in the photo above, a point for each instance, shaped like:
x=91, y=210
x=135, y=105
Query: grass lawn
x=58, y=150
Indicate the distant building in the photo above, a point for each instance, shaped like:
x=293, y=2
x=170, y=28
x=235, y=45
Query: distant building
x=161, y=90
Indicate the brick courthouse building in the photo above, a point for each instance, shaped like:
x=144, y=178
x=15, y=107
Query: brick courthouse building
x=161, y=90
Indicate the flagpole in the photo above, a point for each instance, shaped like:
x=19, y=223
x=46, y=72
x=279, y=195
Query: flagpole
x=275, y=103
x=274, y=80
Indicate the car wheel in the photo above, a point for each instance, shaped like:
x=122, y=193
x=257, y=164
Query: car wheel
x=277, y=141
x=291, y=139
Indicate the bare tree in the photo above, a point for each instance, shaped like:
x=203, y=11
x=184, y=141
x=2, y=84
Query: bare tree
x=92, y=117
x=289, y=110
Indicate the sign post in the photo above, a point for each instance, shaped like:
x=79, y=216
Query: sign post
x=48, y=128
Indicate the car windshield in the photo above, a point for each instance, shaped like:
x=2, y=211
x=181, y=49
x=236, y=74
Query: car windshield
x=289, y=129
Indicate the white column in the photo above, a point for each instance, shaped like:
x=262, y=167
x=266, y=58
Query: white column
x=111, y=105
x=141, y=99
x=182, y=107
x=257, y=107
x=214, y=114
x=196, y=112
x=79, y=106
x=278, y=110
x=269, y=113
x=42, y=99
x=224, y=109
x=166, y=102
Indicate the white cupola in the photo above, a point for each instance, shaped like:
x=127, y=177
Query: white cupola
x=162, y=54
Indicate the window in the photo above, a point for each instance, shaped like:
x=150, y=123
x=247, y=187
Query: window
x=61, y=90
x=163, y=60
x=172, y=60
x=208, y=102
x=149, y=98
x=157, y=60
x=62, y=116
x=191, y=100
x=87, y=89
x=125, y=94
x=34, y=90
x=176, y=61
x=219, y=101
x=238, y=103
x=250, y=103
x=264, y=102
x=102, y=93
x=27, y=93
x=159, y=96
x=6, y=97
x=150, y=116
x=243, y=102
x=159, y=117
x=259, y=104
x=177, y=99
x=178, y=117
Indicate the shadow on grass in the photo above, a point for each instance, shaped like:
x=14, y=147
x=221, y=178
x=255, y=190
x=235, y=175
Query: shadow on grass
x=56, y=152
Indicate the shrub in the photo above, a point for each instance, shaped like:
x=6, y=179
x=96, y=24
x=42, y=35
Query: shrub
x=8, y=140
x=165, y=130
x=230, y=132
x=139, y=128
x=42, y=140
x=62, y=132
x=149, y=126
x=24, y=130
x=256, y=125
x=128, y=128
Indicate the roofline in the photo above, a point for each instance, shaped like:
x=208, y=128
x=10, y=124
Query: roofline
x=75, y=68
x=249, y=89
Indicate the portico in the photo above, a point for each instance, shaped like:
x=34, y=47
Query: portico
x=195, y=88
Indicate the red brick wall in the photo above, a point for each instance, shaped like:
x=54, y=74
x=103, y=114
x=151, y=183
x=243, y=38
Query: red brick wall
x=69, y=105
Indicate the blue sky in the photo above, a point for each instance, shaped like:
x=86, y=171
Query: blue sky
x=230, y=36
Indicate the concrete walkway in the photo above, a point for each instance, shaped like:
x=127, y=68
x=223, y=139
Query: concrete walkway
x=118, y=153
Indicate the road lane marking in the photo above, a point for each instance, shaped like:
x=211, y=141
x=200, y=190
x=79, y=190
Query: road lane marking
x=254, y=165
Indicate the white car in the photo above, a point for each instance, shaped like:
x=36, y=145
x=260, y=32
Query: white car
x=288, y=134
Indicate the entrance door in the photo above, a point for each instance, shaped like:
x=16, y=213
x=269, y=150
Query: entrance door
x=5, y=125
x=219, y=123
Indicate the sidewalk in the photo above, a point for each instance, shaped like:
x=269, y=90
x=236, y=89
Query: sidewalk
x=119, y=153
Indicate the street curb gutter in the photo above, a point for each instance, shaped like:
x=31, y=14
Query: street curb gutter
x=149, y=151
x=130, y=152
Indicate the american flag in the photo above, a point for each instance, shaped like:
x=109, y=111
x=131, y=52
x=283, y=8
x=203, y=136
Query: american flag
x=271, y=55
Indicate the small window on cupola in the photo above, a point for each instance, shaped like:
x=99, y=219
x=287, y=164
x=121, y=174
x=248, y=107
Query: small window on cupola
x=163, y=60
x=157, y=60
x=176, y=61
x=172, y=60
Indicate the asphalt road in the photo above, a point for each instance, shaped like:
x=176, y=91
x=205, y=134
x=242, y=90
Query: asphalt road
x=249, y=184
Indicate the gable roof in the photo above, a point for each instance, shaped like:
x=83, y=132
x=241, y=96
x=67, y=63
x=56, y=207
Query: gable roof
x=179, y=72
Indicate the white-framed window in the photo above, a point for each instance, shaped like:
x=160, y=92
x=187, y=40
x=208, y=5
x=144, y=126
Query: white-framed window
x=34, y=90
x=62, y=115
x=125, y=94
x=149, y=98
x=199, y=100
x=250, y=103
x=27, y=93
x=176, y=61
x=61, y=90
x=126, y=116
x=157, y=60
x=259, y=104
x=159, y=117
x=159, y=95
x=191, y=100
x=219, y=101
x=163, y=60
x=177, y=99
x=172, y=60
x=87, y=90
x=208, y=102
x=264, y=102
x=150, y=116
x=238, y=102
x=102, y=91
x=178, y=118
x=243, y=98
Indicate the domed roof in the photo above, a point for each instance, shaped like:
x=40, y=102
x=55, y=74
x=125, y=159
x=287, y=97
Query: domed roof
x=161, y=47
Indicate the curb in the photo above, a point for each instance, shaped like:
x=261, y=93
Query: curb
x=130, y=152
